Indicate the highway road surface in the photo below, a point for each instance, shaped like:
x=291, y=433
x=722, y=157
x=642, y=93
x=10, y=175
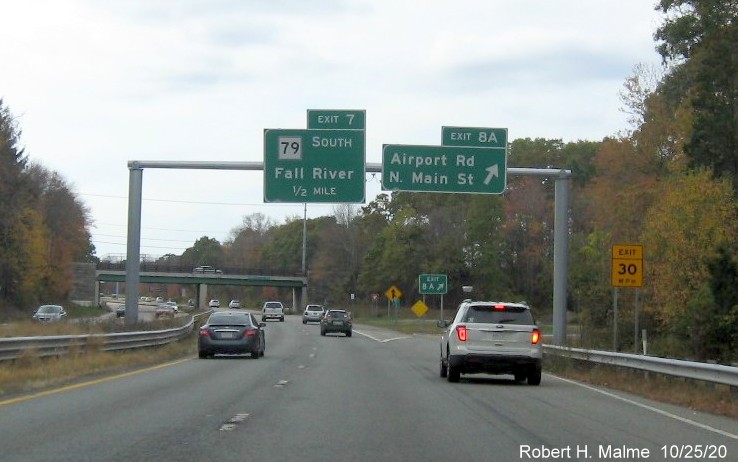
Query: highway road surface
x=376, y=396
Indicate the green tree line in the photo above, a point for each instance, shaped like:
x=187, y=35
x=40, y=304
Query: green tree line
x=669, y=181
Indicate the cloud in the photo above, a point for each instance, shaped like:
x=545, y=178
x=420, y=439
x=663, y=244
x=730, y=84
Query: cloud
x=97, y=84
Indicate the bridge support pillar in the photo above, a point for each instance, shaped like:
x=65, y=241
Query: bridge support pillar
x=202, y=297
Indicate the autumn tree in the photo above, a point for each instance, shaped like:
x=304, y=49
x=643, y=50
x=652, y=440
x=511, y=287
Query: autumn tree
x=244, y=247
x=719, y=320
x=699, y=38
x=16, y=214
x=205, y=251
x=527, y=234
x=283, y=252
x=65, y=220
x=692, y=218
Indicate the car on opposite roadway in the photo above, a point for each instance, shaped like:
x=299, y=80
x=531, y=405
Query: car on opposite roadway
x=206, y=270
x=234, y=304
x=49, y=313
x=312, y=313
x=492, y=338
x=120, y=311
x=166, y=310
x=336, y=321
x=272, y=310
x=231, y=332
x=214, y=303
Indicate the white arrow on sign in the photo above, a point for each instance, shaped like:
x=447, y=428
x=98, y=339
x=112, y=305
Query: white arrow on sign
x=491, y=172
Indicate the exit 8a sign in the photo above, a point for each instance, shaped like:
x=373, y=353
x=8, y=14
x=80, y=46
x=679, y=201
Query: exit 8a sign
x=436, y=284
x=627, y=265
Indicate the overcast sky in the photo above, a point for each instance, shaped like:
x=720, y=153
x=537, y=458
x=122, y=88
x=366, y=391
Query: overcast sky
x=95, y=84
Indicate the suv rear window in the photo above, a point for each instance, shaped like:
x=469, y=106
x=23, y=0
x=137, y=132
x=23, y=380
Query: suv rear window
x=499, y=314
x=273, y=305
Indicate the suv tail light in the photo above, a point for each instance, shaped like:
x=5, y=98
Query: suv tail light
x=535, y=336
x=461, y=333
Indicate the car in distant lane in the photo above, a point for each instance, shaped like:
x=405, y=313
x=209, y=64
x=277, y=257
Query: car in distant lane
x=234, y=304
x=312, y=313
x=272, y=310
x=214, y=303
x=49, y=313
x=336, y=321
x=166, y=310
x=231, y=332
x=491, y=338
x=206, y=270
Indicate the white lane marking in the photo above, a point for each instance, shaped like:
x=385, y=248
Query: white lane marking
x=379, y=339
x=281, y=383
x=233, y=422
x=395, y=338
x=652, y=409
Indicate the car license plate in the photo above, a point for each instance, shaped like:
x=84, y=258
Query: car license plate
x=337, y=323
x=227, y=335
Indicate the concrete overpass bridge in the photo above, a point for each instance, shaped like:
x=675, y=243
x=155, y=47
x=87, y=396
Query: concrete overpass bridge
x=157, y=273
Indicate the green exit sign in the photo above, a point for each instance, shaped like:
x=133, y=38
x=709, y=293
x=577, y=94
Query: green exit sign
x=474, y=136
x=314, y=165
x=336, y=119
x=433, y=284
x=451, y=169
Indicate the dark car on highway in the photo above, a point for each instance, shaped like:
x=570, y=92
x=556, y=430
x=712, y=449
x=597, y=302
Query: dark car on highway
x=49, y=313
x=231, y=332
x=336, y=321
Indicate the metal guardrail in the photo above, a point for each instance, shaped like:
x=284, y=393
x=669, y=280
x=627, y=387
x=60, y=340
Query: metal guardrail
x=55, y=345
x=714, y=373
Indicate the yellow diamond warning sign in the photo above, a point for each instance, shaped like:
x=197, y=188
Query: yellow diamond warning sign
x=393, y=293
x=419, y=308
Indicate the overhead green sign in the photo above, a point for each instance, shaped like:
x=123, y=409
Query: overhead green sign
x=452, y=169
x=433, y=284
x=314, y=165
x=336, y=119
x=474, y=136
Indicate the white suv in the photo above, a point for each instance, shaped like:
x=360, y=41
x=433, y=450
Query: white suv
x=492, y=338
x=312, y=313
x=272, y=310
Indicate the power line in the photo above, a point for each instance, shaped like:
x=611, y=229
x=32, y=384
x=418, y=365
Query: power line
x=240, y=204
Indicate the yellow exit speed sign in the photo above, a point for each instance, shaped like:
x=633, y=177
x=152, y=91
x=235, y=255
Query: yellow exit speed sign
x=627, y=265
